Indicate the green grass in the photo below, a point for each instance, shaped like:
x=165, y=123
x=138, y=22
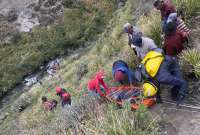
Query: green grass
x=121, y=122
x=190, y=7
x=27, y=51
x=110, y=46
x=191, y=57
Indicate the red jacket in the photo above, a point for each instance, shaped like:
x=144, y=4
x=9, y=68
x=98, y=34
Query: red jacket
x=94, y=84
x=174, y=43
x=167, y=9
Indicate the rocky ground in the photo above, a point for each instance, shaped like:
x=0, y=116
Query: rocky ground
x=183, y=121
x=22, y=15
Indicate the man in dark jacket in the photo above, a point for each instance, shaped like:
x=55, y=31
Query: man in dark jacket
x=174, y=40
x=132, y=31
x=166, y=71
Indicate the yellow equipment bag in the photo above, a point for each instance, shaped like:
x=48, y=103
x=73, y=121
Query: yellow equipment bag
x=149, y=89
x=152, y=62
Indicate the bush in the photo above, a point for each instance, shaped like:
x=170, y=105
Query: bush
x=112, y=122
x=188, y=6
x=151, y=27
x=191, y=57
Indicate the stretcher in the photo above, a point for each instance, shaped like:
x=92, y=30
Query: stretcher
x=130, y=94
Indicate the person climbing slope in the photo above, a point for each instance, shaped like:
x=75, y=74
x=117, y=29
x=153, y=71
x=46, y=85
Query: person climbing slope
x=174, y=40
x=132, y=31
x=179, y=23
x=66, y=99
x=49, y=105
x=166, y=8
x=97, y=86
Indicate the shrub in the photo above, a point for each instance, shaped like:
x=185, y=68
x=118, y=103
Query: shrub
x=191, y=57
x=188, y=6
x=112, y=122
x=151, y=27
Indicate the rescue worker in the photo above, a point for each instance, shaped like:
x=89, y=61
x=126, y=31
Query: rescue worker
x=157, y=66
x=49, y=105
x=60, y=91
x=174, y=40
x=66, y=99
x=166, y=8
x=120, y=71
x=142, y=46
x=132, y=31
x=97, y=86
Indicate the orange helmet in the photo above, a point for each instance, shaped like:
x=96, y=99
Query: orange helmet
x=58, y=90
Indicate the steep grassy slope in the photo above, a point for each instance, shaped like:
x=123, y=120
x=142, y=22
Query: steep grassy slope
x=82, y=21
x=88, y=115
x=111, y=45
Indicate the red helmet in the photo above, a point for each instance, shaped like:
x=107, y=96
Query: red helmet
x=58, y=90
x=119, y=76
x=66, y=96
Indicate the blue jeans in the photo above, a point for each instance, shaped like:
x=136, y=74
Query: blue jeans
x=170, y=74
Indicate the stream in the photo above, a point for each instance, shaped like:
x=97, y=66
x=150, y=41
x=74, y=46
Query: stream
x=7, y=101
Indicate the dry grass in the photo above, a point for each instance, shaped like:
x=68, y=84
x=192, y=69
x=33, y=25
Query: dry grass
x=191, y=57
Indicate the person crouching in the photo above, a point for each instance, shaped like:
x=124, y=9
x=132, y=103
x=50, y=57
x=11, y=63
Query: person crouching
x=49, y=105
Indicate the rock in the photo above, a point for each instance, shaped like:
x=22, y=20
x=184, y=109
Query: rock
x=45, y=20
x=27, y=20
x=12, y=16
x=81, y=70
x=49, y=3
x=22, y=102
x=7, y=31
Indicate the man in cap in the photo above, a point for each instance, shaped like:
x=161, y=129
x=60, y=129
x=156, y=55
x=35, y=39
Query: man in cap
x=48, y=105
x=165, y=7
x=132, y=31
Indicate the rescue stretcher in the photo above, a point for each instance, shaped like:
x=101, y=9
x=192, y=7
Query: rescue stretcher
x=130, y=94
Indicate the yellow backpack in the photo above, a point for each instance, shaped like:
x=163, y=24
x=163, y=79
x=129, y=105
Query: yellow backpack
x=152, y=62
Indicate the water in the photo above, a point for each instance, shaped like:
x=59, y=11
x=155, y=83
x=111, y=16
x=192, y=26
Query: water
x=8, y=100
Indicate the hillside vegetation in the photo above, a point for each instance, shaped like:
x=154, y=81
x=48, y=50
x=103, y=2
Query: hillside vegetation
x=82, y=21
x=87, y=115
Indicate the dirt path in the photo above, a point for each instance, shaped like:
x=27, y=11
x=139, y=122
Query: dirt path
x=177, y=121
